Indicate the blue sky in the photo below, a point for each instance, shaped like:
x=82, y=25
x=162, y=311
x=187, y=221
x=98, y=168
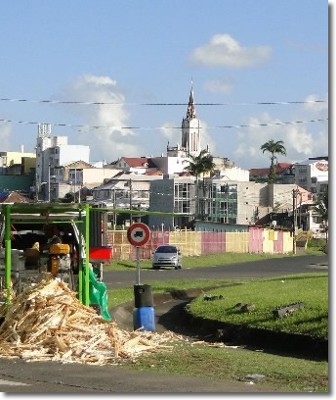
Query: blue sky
x=237, y=53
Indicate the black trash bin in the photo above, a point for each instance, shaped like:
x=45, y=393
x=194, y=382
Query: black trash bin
x=143, y=296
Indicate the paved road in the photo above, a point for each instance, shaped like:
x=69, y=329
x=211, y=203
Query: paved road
x=52, y=377
x=255, y=269
x=17, y=376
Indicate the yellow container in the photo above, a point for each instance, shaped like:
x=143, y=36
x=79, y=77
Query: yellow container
x=59, y=248
x=54, y=262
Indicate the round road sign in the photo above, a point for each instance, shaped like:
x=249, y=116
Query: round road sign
x=138, y=234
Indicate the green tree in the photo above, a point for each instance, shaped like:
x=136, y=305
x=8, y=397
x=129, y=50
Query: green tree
x=274, y=148
x=199, y=166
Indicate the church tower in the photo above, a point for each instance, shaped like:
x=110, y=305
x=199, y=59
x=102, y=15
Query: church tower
x=190, y=144
x=191, y=129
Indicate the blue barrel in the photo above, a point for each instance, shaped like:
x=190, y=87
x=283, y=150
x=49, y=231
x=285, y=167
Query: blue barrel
x=144, y=318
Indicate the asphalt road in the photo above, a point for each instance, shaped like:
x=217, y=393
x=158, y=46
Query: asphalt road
x=255, y=269
x=20, y=377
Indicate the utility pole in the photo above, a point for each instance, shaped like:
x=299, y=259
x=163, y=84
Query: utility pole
x=80, y=186
x=75, y=183
x=49, y=189
x=294, y=193
x=114, y=213
x=130, y=206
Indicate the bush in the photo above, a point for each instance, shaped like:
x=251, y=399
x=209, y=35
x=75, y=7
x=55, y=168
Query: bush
x=316, y=243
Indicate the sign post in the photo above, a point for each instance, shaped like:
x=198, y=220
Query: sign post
x=137, y=281
x=138, y=234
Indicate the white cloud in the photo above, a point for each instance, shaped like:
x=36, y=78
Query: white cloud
x=168, y=131
x=109, y=140
x=206, y=139
x=315, y=103
x=219, y=85
x=300, y=141
x=224, y=50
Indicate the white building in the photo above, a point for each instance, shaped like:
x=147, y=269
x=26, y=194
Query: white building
x=173, y=195
x=312, y=174
x=74, y=177
x=53, y=152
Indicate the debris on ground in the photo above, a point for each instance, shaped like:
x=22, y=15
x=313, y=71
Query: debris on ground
x=254, y=377
x=285, y=311
x=210, y=297
x=48, y=323
x=216, y=344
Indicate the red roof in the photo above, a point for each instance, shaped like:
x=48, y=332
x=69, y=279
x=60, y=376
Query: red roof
x=139, y=162
x=154, y=172
x=264, y=171
x=15, y=197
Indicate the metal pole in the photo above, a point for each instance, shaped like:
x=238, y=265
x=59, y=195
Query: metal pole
x=87, y=247
x=138, y=265
x=79, y=188
x=80, y=261
x=75, y=186
x=114, y=206
x=130, y=206
x=8, y=254
x=294, y=220
x=49, y=183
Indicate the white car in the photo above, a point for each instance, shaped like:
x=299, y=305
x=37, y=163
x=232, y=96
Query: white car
x=167, y=256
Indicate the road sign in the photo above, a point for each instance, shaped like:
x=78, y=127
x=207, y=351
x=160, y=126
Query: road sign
x=138, y=234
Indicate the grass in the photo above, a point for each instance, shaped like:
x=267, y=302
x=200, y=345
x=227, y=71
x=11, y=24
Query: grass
x=315, y=246
x=120, y=296
x=283, y=373
x=197, y=261
x=266, y=295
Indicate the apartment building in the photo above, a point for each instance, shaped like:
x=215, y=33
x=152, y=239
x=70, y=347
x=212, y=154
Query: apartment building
x=312, y=174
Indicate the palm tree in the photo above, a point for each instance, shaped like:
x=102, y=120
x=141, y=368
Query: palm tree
x=200, y=166
x=274, y=148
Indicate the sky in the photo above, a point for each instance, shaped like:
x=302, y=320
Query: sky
x=259, y=71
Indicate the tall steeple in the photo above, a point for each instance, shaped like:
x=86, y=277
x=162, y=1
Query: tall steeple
x=191, y=128
x=191, y=111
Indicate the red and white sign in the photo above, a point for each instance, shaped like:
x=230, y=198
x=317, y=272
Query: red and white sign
x=138, y=234
x=321, y=166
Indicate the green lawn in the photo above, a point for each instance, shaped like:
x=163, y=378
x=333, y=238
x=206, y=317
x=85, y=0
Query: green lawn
x=198, y=261
x=266, y=295
x=283, y=373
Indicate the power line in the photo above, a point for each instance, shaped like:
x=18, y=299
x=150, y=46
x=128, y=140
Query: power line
x=82, y=126
x=103, y=103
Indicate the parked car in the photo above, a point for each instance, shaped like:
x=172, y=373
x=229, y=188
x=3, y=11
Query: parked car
x=167, y=256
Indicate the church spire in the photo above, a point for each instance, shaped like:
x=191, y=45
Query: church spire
x=190, y=142
x=191, y=111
